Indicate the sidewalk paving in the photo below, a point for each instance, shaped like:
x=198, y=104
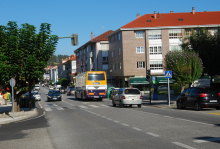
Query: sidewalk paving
x=6, y=116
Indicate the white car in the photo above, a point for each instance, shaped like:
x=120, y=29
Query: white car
x=51, y=88
x=37, y=95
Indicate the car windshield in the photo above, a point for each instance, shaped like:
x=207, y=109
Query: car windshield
x=54, y=92
x=208, y=90
x=132, y=91
x=35, y=93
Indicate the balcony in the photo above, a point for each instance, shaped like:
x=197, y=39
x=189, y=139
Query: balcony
x=91, y=54
x=92, y=66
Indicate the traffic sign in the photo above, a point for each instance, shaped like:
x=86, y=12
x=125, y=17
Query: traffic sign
x=12, y=82
x=168, y=74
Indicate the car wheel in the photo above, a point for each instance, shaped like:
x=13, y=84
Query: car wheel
x=139, y=106
x=121, y=104
x=217, y=108
x=179, y=105
x=113, y=104
x=197, y=107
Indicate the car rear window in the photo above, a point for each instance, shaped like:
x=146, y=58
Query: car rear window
x=208, y=90
x=132, y=91
x=54, y=92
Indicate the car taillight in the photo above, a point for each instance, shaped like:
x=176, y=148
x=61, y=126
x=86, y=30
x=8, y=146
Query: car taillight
x=123, y=97
x=87, y=92
x=105, y=91
x=141, y=97
x=70, y=91
x=218, y=94
x=202, y=95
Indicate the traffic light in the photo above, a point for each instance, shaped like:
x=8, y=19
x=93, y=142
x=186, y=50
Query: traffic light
x=148, y=76
x=74, y=39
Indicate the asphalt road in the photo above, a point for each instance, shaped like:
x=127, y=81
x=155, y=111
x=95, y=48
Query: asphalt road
x=79, y=124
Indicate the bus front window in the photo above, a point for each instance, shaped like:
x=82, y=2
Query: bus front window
x=96, y=77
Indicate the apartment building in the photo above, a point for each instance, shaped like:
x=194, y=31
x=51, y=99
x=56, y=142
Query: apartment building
x=93, y=55
x=143, y=43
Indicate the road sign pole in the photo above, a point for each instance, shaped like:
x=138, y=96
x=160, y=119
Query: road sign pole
x=13, y=102
x=168, y=92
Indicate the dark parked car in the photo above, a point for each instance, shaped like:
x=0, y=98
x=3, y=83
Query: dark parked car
x=62, y=90
x=54, y=95
x=70, y=91
x=199, y=97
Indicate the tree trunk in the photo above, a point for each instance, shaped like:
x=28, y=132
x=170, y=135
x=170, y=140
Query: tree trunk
x=183, y=87
x=16, y=104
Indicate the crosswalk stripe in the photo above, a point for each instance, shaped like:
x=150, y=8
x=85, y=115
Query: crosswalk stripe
x=81, y=106
x=60, y=108
x=95, y=106
x=71, y=107
x=48, y=109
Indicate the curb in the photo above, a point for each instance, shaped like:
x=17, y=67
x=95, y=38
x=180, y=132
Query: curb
x=16, y=119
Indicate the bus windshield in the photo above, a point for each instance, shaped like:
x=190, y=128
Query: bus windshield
x=96, y=77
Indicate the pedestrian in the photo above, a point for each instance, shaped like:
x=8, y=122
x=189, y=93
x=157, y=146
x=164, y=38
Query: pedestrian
x=6, y=97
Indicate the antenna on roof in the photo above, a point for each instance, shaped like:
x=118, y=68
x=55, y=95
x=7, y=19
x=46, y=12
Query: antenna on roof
x=102, y=28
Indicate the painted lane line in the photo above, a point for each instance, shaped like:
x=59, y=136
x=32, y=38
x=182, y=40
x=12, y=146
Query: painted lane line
x=125, y=124
x=60, y=108
x=138, y=129
x=40, y=105
x=48, y=109
x=194, y=121
x=183, y=145
x=116, y=121
x=168, y=116
x=103, y=116
x=110, y=119
x=67, y=103
x=94, y=106
x=207, y=140
x=71, y=107
x=55, y=105
x=104, y=105
x=152, y=134
x=215, y=113
x=84, y=107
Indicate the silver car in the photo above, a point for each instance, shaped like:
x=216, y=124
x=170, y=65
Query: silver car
x=127, y=96
x=70, y=91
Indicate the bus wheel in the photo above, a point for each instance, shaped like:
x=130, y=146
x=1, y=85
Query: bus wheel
x=82, y=97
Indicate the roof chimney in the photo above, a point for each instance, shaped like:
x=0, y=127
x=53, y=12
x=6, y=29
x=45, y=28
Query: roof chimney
x=91, y=35
x=171, y=11
x=138, y=15
x=193, y=10
x=155, y=14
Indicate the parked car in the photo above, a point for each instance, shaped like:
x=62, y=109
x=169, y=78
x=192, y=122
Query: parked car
x=43, y=85
x=36, y=95
x=37, y=87
x=127, y=96
x=114, y=92
x=70, y=91
x=51, y=88
x=199, y=97
x=62, y=90
x=54, y=95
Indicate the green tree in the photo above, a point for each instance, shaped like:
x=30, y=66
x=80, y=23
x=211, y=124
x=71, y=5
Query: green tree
x=24, y=55
x=186, y=66
x=64, y=82
x=50, y=82
x=208, y=46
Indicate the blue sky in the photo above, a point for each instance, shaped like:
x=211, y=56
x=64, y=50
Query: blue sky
x=86, y=16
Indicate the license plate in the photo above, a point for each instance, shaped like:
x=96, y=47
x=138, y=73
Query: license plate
x=213, y=101
x=54, y=98
x=96, y=96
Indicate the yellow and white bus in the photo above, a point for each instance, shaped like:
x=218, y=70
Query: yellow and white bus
x=91, y=84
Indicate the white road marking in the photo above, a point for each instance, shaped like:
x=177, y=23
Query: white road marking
x=138, y=129
x=109, y=119
x=194, y=121
x=81, y=106
x=103, y=116
x=68, y=103
x=116, y=121
x=60, y=108
x=152, y=134
x=183, y=145
x=125, y=124
x=104, y=105
x=71, y=107
x=94, y=106
x=40, y=105
x=55, y=105
x=48, y=109
x=168, y=116
x=207, y=140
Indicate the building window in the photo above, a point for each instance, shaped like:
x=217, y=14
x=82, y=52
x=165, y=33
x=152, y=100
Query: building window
x=140, y=64
x=156, y=65
x=87, y=49
x=119, y=65
x=154, y=34
x=115, y=52
x=155, y=50
x=119, y=51
x=104, y=46
x=139, y=34
x=175, y=48
x=104, y=60
x=112, y=66
x=112, y=53
x=140, y=50
x=188, y=32
x=115, y=66
x=175, y=33
x=119, y=36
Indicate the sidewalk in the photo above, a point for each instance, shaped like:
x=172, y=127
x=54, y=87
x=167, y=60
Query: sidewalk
x=161, y=101
x=6, y=116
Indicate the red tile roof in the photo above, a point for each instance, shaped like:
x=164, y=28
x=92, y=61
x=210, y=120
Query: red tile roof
x=102, y=37
x=172, y=19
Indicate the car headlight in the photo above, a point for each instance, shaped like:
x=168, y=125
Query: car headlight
x=48, y=96
x=58, y=96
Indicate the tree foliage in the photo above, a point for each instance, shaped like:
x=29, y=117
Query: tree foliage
x=64, y=82
x=56, y=59
x=208, y=46
x=24, y=55
x=186, y=66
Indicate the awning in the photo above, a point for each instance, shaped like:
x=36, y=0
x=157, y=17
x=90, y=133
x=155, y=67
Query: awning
x=156, y=80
